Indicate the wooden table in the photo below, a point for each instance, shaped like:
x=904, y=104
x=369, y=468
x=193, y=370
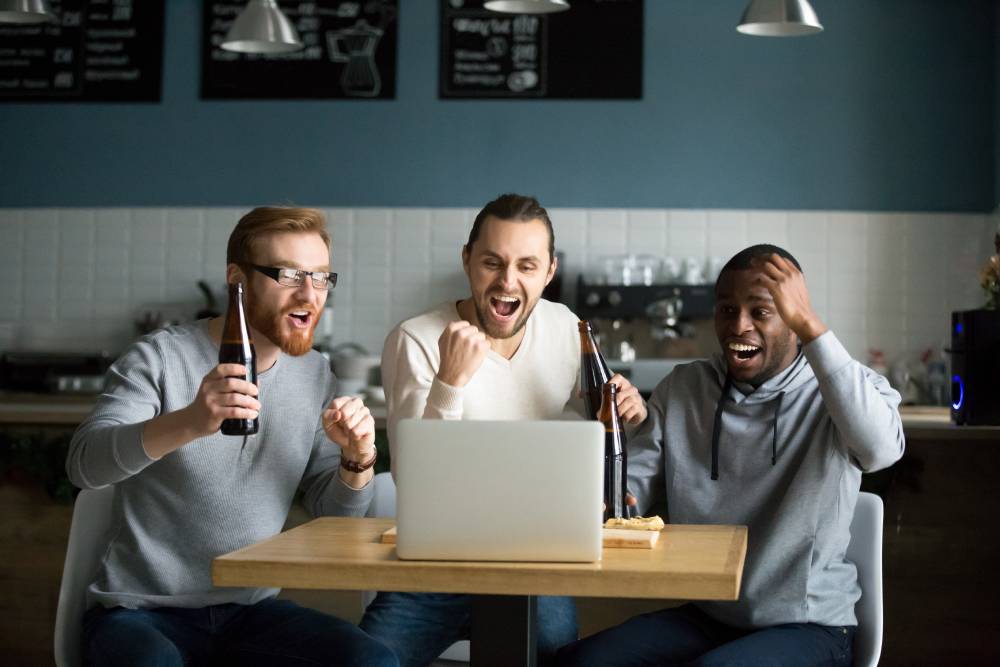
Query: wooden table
x=689, y=562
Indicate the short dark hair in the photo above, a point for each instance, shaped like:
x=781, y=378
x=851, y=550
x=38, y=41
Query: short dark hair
x=745, y=259
x=515, y=207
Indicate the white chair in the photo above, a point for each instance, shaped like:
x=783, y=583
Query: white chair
x=87, y=541
x=384, y=506
x=865, y=551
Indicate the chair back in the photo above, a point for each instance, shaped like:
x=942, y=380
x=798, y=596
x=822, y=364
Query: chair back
x=87, y=542
x=383, y=506
x=865, y=551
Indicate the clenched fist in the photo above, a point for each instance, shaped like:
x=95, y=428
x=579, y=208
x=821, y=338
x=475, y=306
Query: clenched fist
x=349, y=424
x=463, y=348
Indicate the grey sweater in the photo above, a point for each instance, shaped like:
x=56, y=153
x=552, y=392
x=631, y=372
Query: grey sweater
x=790, y=457
x=172, y=516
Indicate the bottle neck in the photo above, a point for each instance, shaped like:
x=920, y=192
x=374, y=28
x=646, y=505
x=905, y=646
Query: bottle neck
x=609, y=408
x=588, y=346
x=236, y=329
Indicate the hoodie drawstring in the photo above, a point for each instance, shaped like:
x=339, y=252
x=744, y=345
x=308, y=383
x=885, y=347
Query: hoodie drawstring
x=774, y=431
x=717, y=427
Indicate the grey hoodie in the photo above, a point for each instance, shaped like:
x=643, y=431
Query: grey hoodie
x=789, y=461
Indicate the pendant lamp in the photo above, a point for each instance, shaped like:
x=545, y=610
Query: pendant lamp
x=779, y=18
x=25, y=11
x=262, y=28
x=527, y=6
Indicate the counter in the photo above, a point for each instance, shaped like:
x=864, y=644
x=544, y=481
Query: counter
x=25, y=409
x=919, y=422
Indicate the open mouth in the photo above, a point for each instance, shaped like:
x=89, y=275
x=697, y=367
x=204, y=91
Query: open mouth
x=300, y=319
x=743, y=351
x=504, y=307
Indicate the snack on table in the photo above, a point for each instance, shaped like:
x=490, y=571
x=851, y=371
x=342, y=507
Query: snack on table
x=636, y=523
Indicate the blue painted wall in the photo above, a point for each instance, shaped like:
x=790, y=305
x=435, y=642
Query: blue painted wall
x=892, y=108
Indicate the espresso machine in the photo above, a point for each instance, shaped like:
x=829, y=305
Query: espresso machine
x=638, y=321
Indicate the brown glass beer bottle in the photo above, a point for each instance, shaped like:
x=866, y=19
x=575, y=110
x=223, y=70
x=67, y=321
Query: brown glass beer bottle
x=594, y=372
x=237, y=348
x=615, y=467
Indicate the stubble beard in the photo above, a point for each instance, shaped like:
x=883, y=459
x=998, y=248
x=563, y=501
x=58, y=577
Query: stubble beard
x=486, y=324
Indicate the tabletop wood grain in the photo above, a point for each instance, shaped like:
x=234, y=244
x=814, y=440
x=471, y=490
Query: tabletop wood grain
x=690, y=562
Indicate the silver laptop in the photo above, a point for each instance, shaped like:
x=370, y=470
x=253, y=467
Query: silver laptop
x=499, y=490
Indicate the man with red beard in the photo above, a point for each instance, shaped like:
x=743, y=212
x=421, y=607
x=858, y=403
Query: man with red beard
x=185, y=493
x=502, y=353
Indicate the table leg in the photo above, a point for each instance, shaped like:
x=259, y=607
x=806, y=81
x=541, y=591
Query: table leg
x=504, y=630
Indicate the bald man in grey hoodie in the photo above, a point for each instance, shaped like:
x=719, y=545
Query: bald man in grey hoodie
x=773, y=434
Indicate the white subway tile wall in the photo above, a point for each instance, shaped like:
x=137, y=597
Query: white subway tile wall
x=78, y=279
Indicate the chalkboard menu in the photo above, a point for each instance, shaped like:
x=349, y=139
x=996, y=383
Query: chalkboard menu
x=96, y=50
x=350, y=52
x=593, y=50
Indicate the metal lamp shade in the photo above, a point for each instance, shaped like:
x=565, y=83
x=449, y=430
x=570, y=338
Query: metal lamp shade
x=779, y=18
x=25, y=11
x=262, y=28
x=527, y=6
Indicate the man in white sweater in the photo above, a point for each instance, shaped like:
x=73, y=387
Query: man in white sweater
x=502, y=353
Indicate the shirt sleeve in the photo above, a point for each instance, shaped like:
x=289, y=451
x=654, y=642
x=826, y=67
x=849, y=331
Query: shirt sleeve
x=107, y=447
x=412, y=389
x=863, y=406
x=646, y=453
x=325, y=492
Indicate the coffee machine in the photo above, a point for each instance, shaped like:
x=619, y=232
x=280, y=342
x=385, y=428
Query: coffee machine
x=975, y=367
x=649, y=320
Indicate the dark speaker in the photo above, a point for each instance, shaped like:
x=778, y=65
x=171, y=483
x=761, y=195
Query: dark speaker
x=975, y=367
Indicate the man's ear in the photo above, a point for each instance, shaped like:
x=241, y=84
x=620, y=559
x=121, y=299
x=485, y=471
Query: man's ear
x=466, y=256
x=234, y=274
x=553, y=265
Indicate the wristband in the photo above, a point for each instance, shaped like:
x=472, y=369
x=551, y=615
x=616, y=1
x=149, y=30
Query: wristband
x=353, y=466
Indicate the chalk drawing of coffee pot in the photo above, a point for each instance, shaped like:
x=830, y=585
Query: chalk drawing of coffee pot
x=356, y=47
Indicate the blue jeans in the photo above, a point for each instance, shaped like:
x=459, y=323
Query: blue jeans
x=419, y=626
x=687, y=636
x=271, y=632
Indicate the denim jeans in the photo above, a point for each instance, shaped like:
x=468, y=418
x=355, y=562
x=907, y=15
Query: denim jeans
x=271, y=632
x=687, y=636
x=419, y=626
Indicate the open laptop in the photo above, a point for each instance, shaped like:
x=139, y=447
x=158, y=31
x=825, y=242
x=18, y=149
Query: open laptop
x=499, y=490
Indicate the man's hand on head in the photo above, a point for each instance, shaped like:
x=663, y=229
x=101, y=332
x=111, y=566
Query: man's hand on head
x=463, y=348
x=787, y=287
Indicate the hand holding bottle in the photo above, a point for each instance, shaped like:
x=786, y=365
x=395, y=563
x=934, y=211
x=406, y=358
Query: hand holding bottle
x=631, y=407
x=223, y=394
x=463, y=348
x=630, y=505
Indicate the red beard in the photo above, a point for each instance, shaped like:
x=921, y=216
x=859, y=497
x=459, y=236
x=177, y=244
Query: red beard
x=294, y=342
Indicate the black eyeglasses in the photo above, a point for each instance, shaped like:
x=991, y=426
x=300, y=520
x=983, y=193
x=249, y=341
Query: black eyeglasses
x=294, y=277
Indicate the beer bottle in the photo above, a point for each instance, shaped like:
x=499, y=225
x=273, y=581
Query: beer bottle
x=237, y=348
x=615, y=470
x=594, y=372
